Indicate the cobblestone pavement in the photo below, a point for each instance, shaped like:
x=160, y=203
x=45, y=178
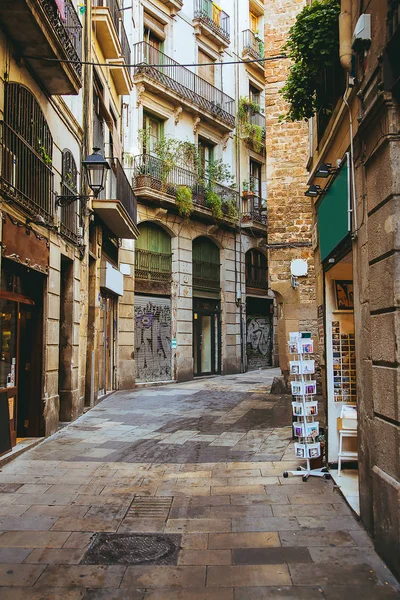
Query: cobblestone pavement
x=202, y=461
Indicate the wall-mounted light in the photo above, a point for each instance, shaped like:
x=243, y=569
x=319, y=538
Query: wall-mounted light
x=96, y=168
x=313, y=191
x=325, y=170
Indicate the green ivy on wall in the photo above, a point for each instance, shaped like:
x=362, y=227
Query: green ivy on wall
x=313, y=45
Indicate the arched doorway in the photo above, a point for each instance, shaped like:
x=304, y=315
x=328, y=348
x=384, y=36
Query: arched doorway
x=153, y=304
x=259, y=312
x=206, y=307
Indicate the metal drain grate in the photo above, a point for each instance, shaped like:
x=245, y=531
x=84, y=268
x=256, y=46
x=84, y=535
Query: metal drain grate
x=133, y=549
x=150, y=508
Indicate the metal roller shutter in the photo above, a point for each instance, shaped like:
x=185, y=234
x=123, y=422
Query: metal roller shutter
x=153, y=338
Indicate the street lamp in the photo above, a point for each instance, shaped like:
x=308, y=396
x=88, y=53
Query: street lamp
x=96, y=167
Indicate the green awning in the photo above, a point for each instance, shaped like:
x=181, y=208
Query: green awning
x=334, y=212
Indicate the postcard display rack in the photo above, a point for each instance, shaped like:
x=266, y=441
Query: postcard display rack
x=304, y=405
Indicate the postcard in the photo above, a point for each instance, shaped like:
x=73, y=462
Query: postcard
x=293, y=348
x=300, y=450
x=308, y=367
x=310, y=388
x=294, y=367
x=298, y=429
x=297, y=408
x=311, y=409
x=294, y=336
x=297, y=388
x=314, y=450
x=312, y=429
x=307, y=346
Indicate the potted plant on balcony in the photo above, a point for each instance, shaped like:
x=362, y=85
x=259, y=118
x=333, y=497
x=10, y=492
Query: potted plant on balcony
x=184, y=201
x=232, y=209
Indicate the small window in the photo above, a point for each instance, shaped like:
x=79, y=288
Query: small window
x=253, y=22
x=254, y=94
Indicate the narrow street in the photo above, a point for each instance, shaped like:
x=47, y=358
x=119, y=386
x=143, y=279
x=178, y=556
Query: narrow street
x=200, y=464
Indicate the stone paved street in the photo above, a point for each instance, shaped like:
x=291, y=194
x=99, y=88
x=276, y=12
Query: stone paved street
x=202, y=460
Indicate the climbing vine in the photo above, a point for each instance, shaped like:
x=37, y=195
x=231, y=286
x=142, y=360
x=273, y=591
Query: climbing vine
x=313, y=45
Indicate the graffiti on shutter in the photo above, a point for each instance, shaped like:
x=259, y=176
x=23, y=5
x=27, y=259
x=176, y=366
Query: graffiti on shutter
x=152, y=338
x=258, y=342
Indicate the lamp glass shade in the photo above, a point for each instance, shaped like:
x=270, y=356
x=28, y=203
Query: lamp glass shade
x=96, y=168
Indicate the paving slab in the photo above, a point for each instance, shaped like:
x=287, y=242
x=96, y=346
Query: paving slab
x=248, y=576
x=85, y=576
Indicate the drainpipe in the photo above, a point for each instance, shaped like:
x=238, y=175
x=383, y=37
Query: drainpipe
x=345, y=35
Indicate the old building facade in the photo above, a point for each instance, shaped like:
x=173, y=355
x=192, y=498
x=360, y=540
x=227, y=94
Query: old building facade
x=55, y=275
x=289, y=211
x=357, y=217
x=196, y=134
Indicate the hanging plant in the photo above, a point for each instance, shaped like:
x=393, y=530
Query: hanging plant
x=215, y=203
x=313, y=45
x=247, y=130
x=184, y=201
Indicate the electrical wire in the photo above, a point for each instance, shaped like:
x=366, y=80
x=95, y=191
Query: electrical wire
x=163, y=66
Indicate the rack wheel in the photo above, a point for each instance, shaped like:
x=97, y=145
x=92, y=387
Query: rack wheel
x=327, y=476
x=298, y=469
x=305, y=478
x=324, y=470
x=286, y=474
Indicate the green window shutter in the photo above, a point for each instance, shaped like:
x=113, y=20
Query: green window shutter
x=153, y=238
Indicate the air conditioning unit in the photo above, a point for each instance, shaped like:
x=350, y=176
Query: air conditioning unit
x=362, y=34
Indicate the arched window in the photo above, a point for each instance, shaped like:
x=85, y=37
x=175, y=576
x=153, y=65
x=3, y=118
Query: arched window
x=153, y=253
x=256, y=269
x=206, y=264
x=27, y=152
x=69, y=187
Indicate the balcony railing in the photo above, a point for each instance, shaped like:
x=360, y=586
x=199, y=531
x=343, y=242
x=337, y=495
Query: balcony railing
x=113, y=8
x=252, y=45
x=153, y=266
x=69, y=215
x=206, y=275
x=68, y=30
x=216, y=19
x=256, y=277
x=125, y=47
x=25, y=177
x=119, y=188
x=183, y=82
x=254, y=209
x=151, y=172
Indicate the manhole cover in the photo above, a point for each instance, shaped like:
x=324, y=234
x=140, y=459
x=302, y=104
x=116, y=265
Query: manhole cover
x=150, y=508
x=133, y=549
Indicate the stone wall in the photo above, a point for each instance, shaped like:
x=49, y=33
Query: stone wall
x=289, y=211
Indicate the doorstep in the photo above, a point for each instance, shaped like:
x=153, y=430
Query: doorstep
x=22, y=446
x=347, y=482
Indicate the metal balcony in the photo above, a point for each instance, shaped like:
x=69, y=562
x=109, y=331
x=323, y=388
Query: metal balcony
x=178, y=83
x=25, y=177
x=153, y=266
x=40, y=31
x=213, y=22
x=252, y=45
x=117, y=205
x=254, y=211
x=152, y=176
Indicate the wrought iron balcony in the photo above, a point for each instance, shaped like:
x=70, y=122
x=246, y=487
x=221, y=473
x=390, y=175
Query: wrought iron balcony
x=70, y=215
x=117, y=205
x=40, y=31
x=155, y=175
x=25, y=176
x=206, y=275
x=184, y=85
x=153, y=266
x=215, y=19
x=252, y=45
x=254, y=210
